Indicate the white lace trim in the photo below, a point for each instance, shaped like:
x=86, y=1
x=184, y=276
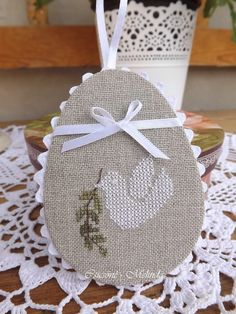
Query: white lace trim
x=154, y=33
x=210, y=159
x=195, y=285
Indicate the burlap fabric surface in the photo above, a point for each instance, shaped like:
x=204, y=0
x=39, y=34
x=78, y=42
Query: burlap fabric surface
x=159, y=244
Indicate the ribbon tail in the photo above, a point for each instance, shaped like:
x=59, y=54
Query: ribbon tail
x=143, y=141
x=89, y=138
x=74, y=129
x=157, y=123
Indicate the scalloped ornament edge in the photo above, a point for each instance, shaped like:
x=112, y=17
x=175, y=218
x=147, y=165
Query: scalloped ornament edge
x=42, y=159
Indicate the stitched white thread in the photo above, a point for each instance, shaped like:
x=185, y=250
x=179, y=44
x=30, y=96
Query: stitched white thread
x=134, y=202
x=141, y=179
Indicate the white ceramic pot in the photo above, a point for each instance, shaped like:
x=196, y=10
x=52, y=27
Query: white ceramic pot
x=157, y=40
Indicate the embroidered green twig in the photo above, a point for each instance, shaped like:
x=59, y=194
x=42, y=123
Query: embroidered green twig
x=89, y=213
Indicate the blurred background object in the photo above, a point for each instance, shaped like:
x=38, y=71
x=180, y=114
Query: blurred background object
x=38, y=11
x=41, y=63
x=211, y=6
x=5, y=141
x=60, y=12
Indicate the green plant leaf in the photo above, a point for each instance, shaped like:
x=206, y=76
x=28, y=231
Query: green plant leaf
x=89, y=213
x=232, y=10
x=40, y=3
x=103, y=251
x=209, y=8
x=212, y=5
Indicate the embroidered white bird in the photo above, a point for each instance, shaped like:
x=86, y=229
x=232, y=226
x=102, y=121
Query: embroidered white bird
x=132, y=203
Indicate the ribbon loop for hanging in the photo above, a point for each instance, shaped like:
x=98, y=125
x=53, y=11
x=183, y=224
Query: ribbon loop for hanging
x=109, y=52
x=107, y=126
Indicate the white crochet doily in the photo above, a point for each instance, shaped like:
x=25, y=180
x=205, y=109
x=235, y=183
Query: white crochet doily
x=196, y=285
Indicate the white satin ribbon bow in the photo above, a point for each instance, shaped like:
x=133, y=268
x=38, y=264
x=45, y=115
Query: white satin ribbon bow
x=107, y=126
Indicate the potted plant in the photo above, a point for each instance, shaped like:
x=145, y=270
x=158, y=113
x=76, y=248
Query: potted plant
x=157, y=38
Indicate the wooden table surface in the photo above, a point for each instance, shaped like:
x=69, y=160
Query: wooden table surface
x=50, y=293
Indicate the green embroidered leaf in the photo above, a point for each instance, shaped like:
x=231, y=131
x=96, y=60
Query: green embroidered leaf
x=82, y=230
x=99, y=238
x=80, y=213
x=94, y=217
x=95, y=230
x=103, y=251
x=88, y=243
x=89, y=213
x=86, y=195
